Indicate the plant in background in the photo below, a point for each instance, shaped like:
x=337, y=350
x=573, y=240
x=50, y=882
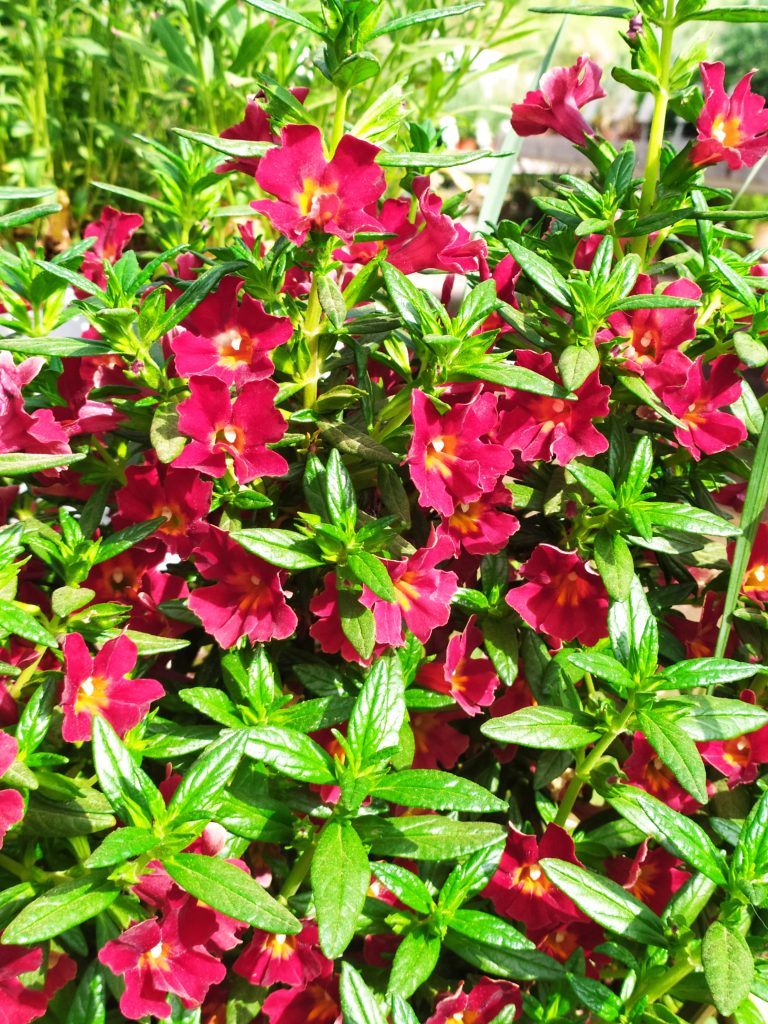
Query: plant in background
x=376, y=656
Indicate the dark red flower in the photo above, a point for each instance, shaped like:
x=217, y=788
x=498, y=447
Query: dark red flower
x=481, y=527
x=317, y=1002
x=645, y=769
x=11, y=801
x=293, y=960
x=22, y=1001
x=556, y=103
x=471, y=681
x=653, y=876
x=480, y=1006
x=436, y=742
x=738, y=759
x=112, y=232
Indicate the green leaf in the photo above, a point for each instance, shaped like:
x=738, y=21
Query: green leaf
x=213, y=703
x=287, y=14
x=232, y=147
x=407, y=299
x=357, y=623
x=331, y=301
x=401, y=1011
x=542, y=273
x=231, y=891
x=435, y=160
x=129, y=790
x=291, y=753
x=501, y=645
x=614, y=563
x=54, y=346
x=510, y=376
x=438, y=791
x=750, y=858
x=576, y=363
x=420, y=17
x=89, y=1000
x=340, y=878
x=738, y=14
x=678, y=834
x=684, y=675
x=426, y=837
x=283, y=548
x=604, y=667
x=654, y=301
x=358, y=1004
x=493, y=946
x=378, y=713
x=595, y=481
x=728, y=966
x=370, y=571
x=15, y=621
x=407, y=886
x=469, y=878
x=21, y=463
x=124, y=539
x=60, y=909
x=351, y=441
x=639, y=470
x=120, y=846
x=27, y=215
x=687, y=519
x=65, y=600
x=206, y=778
x=677, y=751
x=164, y=433
x=542, y=727
x=477, y=306
x=415, y=960
x=634, y=632
x=596, y=997
x=606, y=903
x=587, y=10
x=713, y=718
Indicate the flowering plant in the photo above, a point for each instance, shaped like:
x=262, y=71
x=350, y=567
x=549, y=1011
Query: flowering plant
x=375, y=652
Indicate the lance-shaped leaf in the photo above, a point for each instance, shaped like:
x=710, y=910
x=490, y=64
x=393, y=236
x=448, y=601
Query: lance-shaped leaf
x=728, y=966
x=634, y=632
x=291, y=753
x=750, y=858
x=129, y=790
x=283, y=548
x=358, y=1003
x=439, y=791
x=205, y=779
x=340, y=876
x=379, y=711
x=677, y=751
x=605, y=902
x=61, y=908
x=415, y=960
x=547, y=728
x=493, y=945
x=427, y=837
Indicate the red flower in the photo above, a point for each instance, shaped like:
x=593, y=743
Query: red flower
x=698, y=401
x=652, y=876
x=738, y=758
x=230, y=341
x=318, y=1002
x=564, y=597
x=562, y=940
x=485, y=1002
x=327, y=628
x=20, y=431
x=100, y=686
x=732, y=128
x=646, y=770
x=450, y=462
x=112, y=231
x=254, y=127
x=436, y=742
x=424, y=596
x=291, y=960
x=480, y=527
x=520, y=890
x=11, y=801
x=650, y=333
x=239, y=430
x=556, y=103
x=470, y=681
x=247, y=598
x=755, y=582
x=156, y=961
x=24, y=1001
x=154, y=490
x=314, y=194
x=553, y=428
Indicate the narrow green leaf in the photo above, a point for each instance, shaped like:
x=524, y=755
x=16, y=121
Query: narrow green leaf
x=427, y=837
x=378, y=712
x=677, y=751
x=21, y=463
x=283, y=548
x=60, y=909
x=54, y=346
x=206, y=778
x=415, y=960
x=614, y=563
x=438, y=791
x=542, y=273
x=546, y=728
x=15, y=621
x=728, y=966
x=340, y=878
x=291, y=753
x=358, y=1003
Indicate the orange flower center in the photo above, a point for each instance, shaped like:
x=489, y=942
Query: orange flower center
x=550, y=412
x=560, y=944
x=464, y=1017
x=406, y=591
x=657, y=776
x=92, y=695
x=156, y=959
x=441, y=451
x=737, y=752
x=465, y=518
x=531, y=879
x=728, y=132
x=325, y=1009
x=756, y=579
x=175, y=523
x=281, y=947
x=230, y=435
x=234, y=347
x=319, y=203
x=569, y=589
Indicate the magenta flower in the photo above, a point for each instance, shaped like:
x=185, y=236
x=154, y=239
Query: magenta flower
x=293, y=960
x=112, y=231
x=20, y=431
x=100, y=686
x=317, y=1002
x=230, y=341
x=645, y=769
x=436, y=742
x=155, y=961
x=553, y=428
x=738, y=759
x=755, y=582
x=26, y=986
x=732, y=128
x=11, y=801
x=484, y=1003
x=239, y=430
x=247, y=598
x=471, y=681
x=519, y=888
x=424, y=596
x=654, y=876
x=326, y=629
x=254, y=127
x=651, y=333
x=451, y=457
x=483, y=526
x=564, y=596
x=699, y=401
x=314, y=194
x=556, y=104
x=154, y=490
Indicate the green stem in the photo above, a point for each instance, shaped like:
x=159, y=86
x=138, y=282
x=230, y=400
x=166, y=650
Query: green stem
x=339, y=118
x=312, y=318
x=656, y=135
x=655, y=988
x=298, y=872
x=581, y=775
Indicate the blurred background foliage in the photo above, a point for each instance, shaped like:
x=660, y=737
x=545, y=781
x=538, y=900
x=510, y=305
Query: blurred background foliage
x=90, y=92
